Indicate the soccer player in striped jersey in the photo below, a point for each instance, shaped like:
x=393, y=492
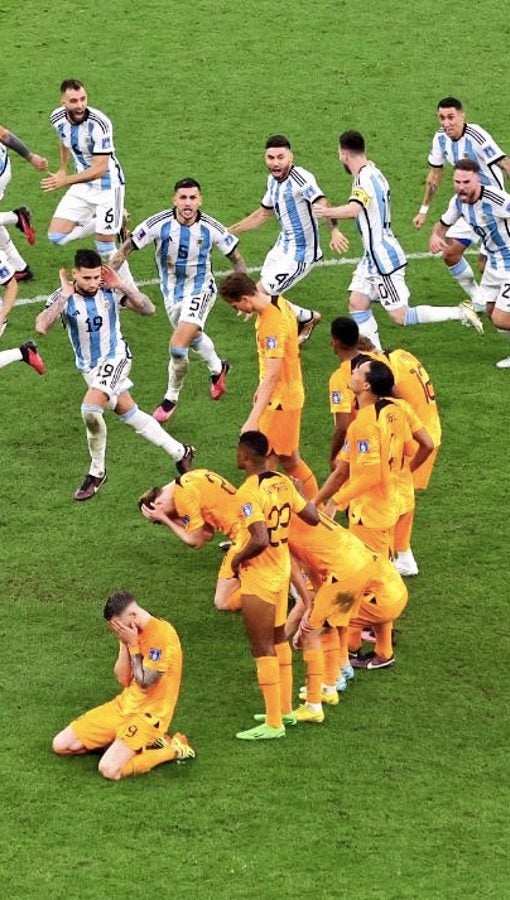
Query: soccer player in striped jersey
x=184, y=238
x=456, y=140
x=89, y=308
x=381, y=272
x=19, y=217
x=487, y=211
x=94, y=199
x=291, y=195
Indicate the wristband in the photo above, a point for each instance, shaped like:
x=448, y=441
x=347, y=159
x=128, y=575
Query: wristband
x=134, y=650
x=424, y=210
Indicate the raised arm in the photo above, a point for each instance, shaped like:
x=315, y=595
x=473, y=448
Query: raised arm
x=14, y=143
x=254, y=220
x=47, y=318
x=134, y=299
x=432, y=183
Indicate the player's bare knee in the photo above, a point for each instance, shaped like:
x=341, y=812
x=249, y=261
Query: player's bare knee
x=59, y=745
x=453, y=253
x=93, y=419
x=398, y=315
x=221, y=602
x=108, y=770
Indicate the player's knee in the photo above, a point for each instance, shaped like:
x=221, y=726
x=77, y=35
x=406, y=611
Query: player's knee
x=452, y=254
x=108, y=770
x=59, y=745
x=93, y=417
x=195, y=343
x=178, y=352
x=104, y=248
x=221, y=602
x=56, y=237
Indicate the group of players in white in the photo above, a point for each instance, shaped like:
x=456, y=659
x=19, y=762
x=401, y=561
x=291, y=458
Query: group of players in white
x=184, y=237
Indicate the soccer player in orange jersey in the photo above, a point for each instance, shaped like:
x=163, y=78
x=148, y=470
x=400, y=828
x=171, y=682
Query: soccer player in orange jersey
x=133, y=726
x=193, y=507
x=279, y=398
x=261, y=561
x=366, y=477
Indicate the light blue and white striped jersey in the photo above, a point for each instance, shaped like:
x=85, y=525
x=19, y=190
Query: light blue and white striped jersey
x=291, y=201
x=93, y=327
x=383, y=253
x=183, y=252
x=92, y=137
x=4, y=158
x=490, y=218
x=474, y=143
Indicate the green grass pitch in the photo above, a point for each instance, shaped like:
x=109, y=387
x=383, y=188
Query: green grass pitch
x=401, y=794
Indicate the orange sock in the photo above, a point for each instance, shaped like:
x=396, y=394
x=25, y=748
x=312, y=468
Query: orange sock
x=268, y=677
x=234, y=601
x=331, y=649
x=354, y=637
x=284, y=655
x=305, y=475
x=314, y=663
x=383, y=640
x=146, y=760
x=343, y=646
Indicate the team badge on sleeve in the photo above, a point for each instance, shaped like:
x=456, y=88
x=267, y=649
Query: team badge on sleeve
x=271, y=343
x=106, y=144
x=309, y=193
x=247, y=510
x=336, y=396
x=154, y=655
x=363, y=447
x=360, y=195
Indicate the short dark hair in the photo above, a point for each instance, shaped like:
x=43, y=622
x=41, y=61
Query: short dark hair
x=237, y=285
x=345, y=330
x=467, y=165
x=148, y=497
x=380, y=378
x=278, y=140
x=71, y=84
x=450, y=103
x=187, y=183
x=256, y=442
x=87, y=259
x=117, y=604
x=352, y=140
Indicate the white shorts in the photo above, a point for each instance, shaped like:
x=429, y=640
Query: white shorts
x=82, y=203
x=494, y=288
x=281, y=272
x=5, y=178
x=6, y=270
x=111, y=376
x=192, y=308
x=390, y=290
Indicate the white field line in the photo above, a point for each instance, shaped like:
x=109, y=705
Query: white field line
x=342, y=261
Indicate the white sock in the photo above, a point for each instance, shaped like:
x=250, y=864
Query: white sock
x=8, y=218
x=204, y=348
x=96, y=438
x=14, y=259
x=78, y=232
x=425, y=315
x=406, y=556
x=315, y=707
x=301, y=313
x=148, y=428
x=463, y=274
x=177, y=368
x=367, y=324
x=10, y=356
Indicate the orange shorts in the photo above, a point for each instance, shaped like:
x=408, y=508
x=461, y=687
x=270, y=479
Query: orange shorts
x=337, y=601
x=252, y=582
x=100, y=726
x=282, y=428
x=225, y=570
x=421, y=476
x=380, y=540
x=385, y=605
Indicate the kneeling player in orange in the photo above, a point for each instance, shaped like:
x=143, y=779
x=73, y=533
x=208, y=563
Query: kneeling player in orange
x=384, y=599
x=194, y=506
x=261, y=561
x=279, y=398
x=133, y=726
x=339, y=567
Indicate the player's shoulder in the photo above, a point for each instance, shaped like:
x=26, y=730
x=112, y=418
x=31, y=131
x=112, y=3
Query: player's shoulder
x=58, y=115
x=163, y=630
x=300, y=175
x=211, y=223
x=478, y=134
x=157, y=220
x=99, y=118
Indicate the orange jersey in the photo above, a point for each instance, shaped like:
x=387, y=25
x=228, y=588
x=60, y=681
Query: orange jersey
x=374, y=448
x=405, y=484
x=412, y=383
x=277, y=338
x=341, y=398
x=202, y=496
x=161, y=650
x=327, y=549
x=269, y=498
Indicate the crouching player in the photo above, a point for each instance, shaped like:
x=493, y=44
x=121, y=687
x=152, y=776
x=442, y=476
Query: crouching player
x=133, y=725
x=193, y=507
